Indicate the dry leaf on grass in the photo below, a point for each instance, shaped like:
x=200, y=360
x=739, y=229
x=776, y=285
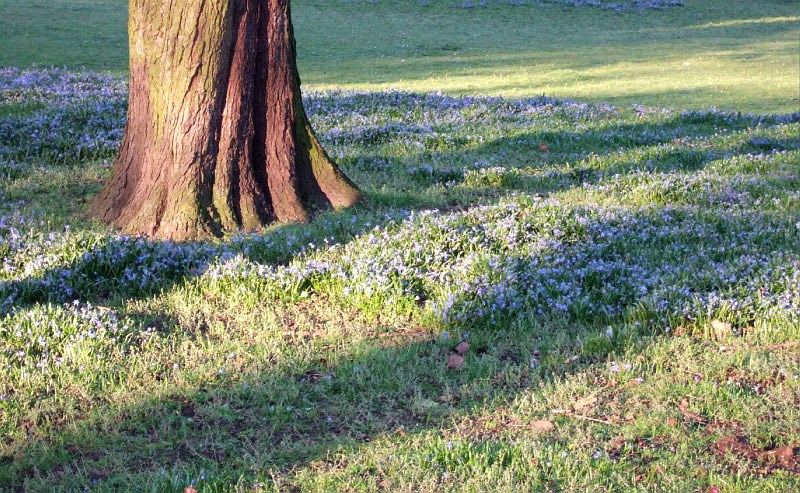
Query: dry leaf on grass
x=616, y=444
x=683, y=406
x=585, y=402
x=462, y=348
x=783, y=456
x=780, y=457
x=543, y=426
x=721, y=330
x=455, y=361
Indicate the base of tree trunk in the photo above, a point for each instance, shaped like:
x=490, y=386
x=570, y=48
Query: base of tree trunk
x=217, y=140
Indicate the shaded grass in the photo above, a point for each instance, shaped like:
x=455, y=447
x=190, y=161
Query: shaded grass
x=740, y=56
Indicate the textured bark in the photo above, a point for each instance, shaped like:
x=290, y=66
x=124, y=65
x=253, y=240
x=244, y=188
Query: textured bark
x=217, y=139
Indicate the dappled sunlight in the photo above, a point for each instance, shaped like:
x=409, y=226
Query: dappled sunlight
x=678, y=79
x=747, y=63
x=535, y=293
x=406, y=45
x=742, y=22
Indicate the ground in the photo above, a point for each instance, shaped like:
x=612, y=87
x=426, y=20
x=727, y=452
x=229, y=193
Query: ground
x=626, y=278
x=739, y=56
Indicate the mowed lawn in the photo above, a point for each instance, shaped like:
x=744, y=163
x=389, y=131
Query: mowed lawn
x=739, y=56
x=536, y=294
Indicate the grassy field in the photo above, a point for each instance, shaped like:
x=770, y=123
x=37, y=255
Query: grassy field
x=734, y=55
x=627, y=280
x=626, y=277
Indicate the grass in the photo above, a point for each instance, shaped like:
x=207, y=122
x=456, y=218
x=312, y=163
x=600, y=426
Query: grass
x=733, y=55
x=626, y=278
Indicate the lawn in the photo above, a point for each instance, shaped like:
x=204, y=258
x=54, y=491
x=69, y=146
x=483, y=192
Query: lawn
x=626, y=278
x=739, y=56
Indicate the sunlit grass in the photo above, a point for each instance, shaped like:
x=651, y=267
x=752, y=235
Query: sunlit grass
x=739, y=56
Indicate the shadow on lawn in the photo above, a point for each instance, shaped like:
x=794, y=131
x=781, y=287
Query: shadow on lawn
x=246, y=425
x=118, y=269
x=285, y=417
x=550, y=161
x=277, y=421
x=550, y=60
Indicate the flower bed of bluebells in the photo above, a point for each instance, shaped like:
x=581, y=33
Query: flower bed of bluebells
x=83, y=117
x=696, y=226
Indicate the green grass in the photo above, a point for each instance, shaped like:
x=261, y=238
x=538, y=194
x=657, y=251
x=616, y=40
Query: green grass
x=628, y=278
x=733, y=55
x=326, y=370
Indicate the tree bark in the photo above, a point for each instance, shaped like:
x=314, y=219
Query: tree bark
x=217, y=139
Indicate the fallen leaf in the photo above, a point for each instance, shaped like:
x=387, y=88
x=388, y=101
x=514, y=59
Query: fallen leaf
x=735, y=444
x=683, y=406
x=584, y=403
x=543, y=426
x=462, y=348
x=783, y=456
x=455, y=361
x=722, y=330
x=681, y=330
x=616, y=443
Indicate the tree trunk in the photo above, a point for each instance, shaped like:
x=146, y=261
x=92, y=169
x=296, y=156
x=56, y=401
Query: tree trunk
x=217, y=139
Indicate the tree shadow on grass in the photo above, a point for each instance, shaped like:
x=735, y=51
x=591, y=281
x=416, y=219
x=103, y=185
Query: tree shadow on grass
x=279, y=416
x=545, y=161
x=271, y=421
x=125, y=268
x=113, y=270
x=295, y=411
